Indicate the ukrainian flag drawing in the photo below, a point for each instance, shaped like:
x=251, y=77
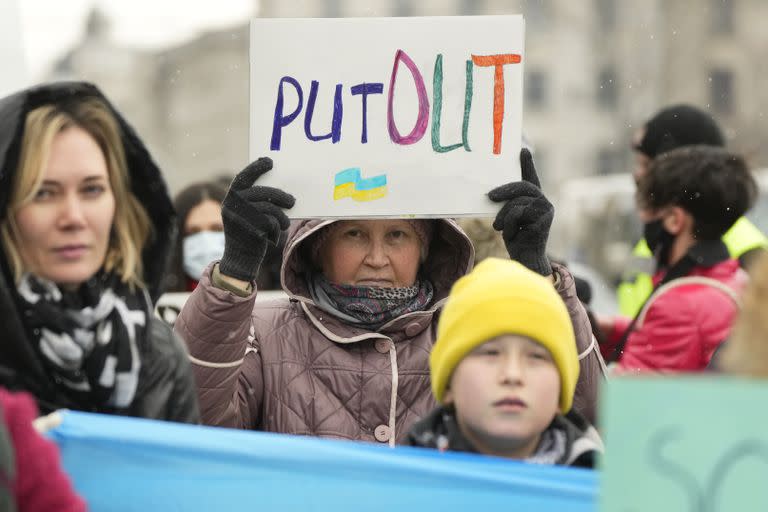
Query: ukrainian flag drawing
x=349, y=183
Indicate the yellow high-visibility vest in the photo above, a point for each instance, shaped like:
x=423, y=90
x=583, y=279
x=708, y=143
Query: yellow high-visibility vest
x=638, y=285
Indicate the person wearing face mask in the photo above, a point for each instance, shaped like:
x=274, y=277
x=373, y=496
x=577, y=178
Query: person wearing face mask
x=687, y=199
x=201, y=234
x=670, y=128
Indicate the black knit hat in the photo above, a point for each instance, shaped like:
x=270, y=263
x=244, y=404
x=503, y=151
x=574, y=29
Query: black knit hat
x=676, y=126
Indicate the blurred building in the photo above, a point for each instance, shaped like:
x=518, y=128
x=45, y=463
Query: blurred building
x=14, y=75
x=594, y=70
x=188, y=102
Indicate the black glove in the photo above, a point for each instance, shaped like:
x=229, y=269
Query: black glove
x=525, y=218
x=253, y=217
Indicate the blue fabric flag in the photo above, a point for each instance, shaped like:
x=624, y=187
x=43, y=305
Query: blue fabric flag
x=127, y=464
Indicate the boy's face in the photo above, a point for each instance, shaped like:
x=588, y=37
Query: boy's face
x=506, y=393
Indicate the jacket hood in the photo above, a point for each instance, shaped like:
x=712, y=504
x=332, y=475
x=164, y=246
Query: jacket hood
x=146, y=181
x=450, y=256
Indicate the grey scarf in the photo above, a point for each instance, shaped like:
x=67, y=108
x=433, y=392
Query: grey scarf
x=366, y=306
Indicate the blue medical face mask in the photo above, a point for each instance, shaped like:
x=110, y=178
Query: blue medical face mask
x=200, y=249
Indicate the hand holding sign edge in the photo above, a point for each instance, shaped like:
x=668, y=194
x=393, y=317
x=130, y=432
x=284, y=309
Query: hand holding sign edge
x=253, y=217
x=525, y=217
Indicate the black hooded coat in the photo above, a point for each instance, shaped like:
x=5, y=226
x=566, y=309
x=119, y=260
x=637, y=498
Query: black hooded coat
x=166, y=388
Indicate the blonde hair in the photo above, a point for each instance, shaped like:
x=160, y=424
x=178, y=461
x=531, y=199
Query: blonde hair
x=746, y=353
x=131, y=226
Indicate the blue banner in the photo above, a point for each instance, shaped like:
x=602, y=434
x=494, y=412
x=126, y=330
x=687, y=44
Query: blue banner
x=127, y=464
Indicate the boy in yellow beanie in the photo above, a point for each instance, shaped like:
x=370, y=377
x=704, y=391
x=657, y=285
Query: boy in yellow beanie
x=504, y=367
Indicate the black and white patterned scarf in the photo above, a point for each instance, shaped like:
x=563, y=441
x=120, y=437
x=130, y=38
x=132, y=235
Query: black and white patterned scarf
x=89, y=338
x=367, y=306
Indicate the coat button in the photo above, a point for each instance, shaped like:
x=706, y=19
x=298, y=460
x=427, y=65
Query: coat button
x=382, y=346
x=412, y=330
x=382, y=433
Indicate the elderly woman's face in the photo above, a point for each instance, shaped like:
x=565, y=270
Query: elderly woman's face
x=64, y=231
x=380, y=253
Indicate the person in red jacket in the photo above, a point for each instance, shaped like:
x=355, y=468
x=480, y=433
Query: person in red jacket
x=31, y=477
x=688, y=199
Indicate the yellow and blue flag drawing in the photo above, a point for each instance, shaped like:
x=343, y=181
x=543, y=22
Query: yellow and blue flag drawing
x=349, y=183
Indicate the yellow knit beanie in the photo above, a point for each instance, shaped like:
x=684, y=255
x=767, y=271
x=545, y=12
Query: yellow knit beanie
x=503, y=297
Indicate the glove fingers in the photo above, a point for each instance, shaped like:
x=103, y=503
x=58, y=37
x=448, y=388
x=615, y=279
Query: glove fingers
x=236, y=205
x=541, y=212
x=514, y=222
x=529, y=216
x=518, y=204
x=246, y=178
x=245, y=229
x=275, y=228
x=498, y=222
x=272, y=211
x=514, y=190
x=501, y=192
x=527, y=169
x=250, y=225
x=536, y=213
x=256, y=213
x=269, y=195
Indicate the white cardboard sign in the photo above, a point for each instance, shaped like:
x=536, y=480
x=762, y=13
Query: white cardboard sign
x=388, y=117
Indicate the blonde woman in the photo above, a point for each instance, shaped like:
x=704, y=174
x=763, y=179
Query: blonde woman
x=86, y=228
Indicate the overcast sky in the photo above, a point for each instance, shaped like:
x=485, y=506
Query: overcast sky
x=50, y=27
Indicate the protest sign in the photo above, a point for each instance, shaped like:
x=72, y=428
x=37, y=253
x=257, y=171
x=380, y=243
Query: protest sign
x=684, y=444
x=388, y=117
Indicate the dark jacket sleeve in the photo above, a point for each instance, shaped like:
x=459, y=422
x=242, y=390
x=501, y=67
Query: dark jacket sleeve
x=591, y=364
x=166, y=387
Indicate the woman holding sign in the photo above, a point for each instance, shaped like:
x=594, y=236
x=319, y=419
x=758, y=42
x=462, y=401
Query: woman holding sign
x=346, y=356
x=86, y=225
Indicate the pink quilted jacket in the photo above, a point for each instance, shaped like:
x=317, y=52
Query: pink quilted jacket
x=287, y=366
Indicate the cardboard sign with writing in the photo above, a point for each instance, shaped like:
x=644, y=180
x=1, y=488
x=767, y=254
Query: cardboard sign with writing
x=684, y=444
x=388, y=117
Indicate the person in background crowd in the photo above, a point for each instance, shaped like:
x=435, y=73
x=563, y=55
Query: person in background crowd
x=346, y=355
x=688, y=198
x=31, y=476
x=201, y=230
x=504, y=368
x=673, y=127
x=86, y=227
x=198, y=207
x=746, y=351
